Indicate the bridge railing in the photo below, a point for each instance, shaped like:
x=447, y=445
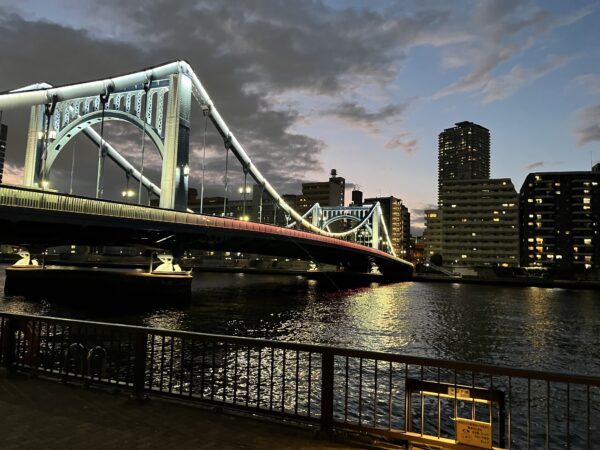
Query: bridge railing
x=47, y=200
x=397, y=396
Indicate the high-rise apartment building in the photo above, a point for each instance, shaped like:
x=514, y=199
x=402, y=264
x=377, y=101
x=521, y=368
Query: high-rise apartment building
x=397, y=221
x=3, y=136
x=463, y=154
x=560, y=220
x=479, y=224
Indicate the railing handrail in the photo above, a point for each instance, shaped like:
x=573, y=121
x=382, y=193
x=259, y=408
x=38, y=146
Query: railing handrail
x=556, y=377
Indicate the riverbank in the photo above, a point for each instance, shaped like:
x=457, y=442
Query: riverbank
x=519, y=282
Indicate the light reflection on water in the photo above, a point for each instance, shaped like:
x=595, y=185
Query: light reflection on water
x=552, y=329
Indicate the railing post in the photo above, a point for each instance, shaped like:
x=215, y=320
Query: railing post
x=8, y=342
x=139, y=364
x=327, y=393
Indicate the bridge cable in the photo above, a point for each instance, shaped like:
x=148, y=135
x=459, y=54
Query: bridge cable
x=227, y=144
x=245, y=184
x=203, y=160
x=146, y=89
x=101, y=151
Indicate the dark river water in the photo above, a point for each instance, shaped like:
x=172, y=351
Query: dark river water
x=551, y=329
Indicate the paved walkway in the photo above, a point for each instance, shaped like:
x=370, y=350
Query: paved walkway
x=36, y=414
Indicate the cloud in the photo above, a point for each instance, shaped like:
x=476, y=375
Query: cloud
x=358, y=115
x=503, y=29
x=12, y=174
x=506, y=85
x=590, y=81
x=540, y=164
x=589, y=130
x=404, y=142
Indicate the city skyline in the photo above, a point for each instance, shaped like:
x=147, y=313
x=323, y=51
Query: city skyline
x=313, y=86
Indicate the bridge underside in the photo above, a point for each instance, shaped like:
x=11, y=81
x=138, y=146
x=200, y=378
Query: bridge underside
x=37, y=229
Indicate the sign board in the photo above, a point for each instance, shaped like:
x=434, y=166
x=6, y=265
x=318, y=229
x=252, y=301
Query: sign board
x=459, y=392
x=473, y=432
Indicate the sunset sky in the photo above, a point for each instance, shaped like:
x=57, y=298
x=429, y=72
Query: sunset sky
x=307, y=86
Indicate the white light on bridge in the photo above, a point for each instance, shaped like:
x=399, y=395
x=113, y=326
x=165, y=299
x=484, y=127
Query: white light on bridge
x=128, y=193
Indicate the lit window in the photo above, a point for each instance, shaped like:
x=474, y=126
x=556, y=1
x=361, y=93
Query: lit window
x=587, y=241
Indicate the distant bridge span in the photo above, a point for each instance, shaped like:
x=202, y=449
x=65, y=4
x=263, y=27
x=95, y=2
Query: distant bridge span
x=30, y=217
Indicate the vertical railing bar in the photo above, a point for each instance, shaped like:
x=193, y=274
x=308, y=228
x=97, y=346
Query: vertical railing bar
x=151, y=371
x=589, y=425
x=568, y=416
x=309, y=382
x=528, y=413
x=297, y=378
x=202, y=369
x=390, y=399
x=473, y=403
x=439, y=405
x=422, y=405
x=346, y=381
x=271, y=381
x=407, y=396
x=375, y=398
x=547, y=415
x=509, y=412
x=235, y=373
x=491, y=407
x=248, y=377
x=182, y=365
x=225, y=363
x=212, y=371
x=192, y=361
x=360, y=370
x=259, y=377
x=283, y=382
x=162, y=362
x=171, y=360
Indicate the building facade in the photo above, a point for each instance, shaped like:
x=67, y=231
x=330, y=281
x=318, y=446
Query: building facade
x=325, y=193
x=559, y=220
x=397, y=221
x=477, y=224
x=463, y=154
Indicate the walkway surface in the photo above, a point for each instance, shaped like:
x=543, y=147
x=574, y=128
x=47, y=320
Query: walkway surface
x=36, y=414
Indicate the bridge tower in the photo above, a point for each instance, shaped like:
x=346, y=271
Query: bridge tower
x=72, y=116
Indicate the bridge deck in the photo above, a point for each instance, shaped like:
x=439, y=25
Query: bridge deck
x=44, y=414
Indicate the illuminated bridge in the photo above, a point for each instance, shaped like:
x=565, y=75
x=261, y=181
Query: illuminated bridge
x=158, y=101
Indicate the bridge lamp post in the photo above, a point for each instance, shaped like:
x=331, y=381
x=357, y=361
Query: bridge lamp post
x=127, y=194
x=244, y=190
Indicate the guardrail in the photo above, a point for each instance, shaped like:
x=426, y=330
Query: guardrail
x=22, y=197
x=441, y=403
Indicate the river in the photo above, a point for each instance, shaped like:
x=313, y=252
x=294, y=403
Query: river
x=546, y=329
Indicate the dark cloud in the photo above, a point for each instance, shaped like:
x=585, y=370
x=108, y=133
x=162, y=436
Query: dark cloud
x=358, y=115
x=540, y=164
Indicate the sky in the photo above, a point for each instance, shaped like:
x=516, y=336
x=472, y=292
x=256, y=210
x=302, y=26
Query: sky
x=308, y=86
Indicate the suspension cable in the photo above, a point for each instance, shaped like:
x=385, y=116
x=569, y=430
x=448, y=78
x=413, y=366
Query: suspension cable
x=203, y=161
x=227, y=144
x=146, y=89
x=101, y=152
x=244, y=193
x=260, y=205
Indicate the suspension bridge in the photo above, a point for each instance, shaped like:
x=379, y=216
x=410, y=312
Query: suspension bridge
x=158, y=101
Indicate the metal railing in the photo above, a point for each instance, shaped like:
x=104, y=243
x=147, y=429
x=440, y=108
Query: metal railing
x=397, y=396
x=21, y=197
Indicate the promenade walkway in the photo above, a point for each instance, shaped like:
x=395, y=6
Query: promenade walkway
x=40, y=414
